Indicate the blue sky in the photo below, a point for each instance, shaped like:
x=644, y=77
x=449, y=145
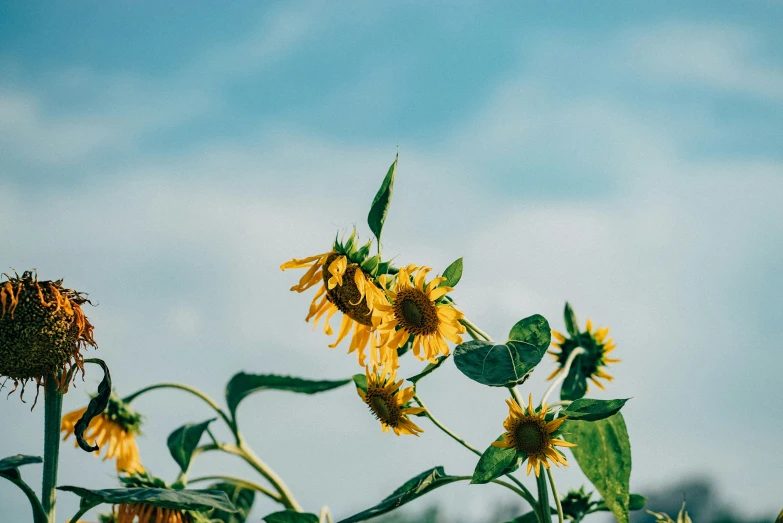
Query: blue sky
x=625, y=157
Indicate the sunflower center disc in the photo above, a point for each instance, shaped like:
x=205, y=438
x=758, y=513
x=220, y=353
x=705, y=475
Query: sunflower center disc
x=412, y=312
x=529, y=438
x=381, y=407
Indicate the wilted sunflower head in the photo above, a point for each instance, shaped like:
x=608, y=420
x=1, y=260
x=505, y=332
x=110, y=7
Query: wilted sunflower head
x=42, y=330
x=144, y=513
x=597, y=348
x=114, y=431
x=347, y=283
x=388, y=402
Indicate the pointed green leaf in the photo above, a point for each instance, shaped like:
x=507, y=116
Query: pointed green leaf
x=10, y=464
x=242, y=499
x=503, y=365
x=242, y=385
x=380, y=204
x=453, y=273
x=196, y=500
x=593, y=410
x=183, y=441
x=291, y=516
x=413, y=488
x=495, y=462
x=96, y=406
x=360, y=380
x=603, y=452
x=571, y=323
x=533, y=330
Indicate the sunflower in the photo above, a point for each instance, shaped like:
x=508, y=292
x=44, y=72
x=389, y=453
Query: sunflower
x=389, y=403
x=114, y=430
x=597, y=347
x=128, y=513
x=347, y=286
x=532, y=435
x=42, y=330
x=416, y=311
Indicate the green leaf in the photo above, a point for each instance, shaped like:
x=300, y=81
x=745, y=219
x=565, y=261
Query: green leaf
x=534, y=330
x=96, y=406
x=603, y=452
x=413, y=488
x=495, y=462
x=593, y=410
x=360, y=380
x=242, y=499
x=574, y=385
x=571, y=323
x=183, y=441
x=635, y=502
x=453, y=273
x=196, y=500
x=242, y=385
x=380, y=204
x=428, y=369
x=503, y=365
x=291, y=516
x=9, y=466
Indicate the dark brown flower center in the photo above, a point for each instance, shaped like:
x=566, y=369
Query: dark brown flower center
x=531, y=437
x=346, y=297
x=415, y=312
x=383, y=405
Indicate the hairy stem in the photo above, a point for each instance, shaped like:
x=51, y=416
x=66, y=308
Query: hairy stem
x=522, y=490
x=209, y=401
x=556, y=496
x=563, y=372
x=53, y=410
x=240, y=483
x=543, y=496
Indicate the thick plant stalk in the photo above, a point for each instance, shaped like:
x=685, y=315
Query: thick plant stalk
x=53, y=409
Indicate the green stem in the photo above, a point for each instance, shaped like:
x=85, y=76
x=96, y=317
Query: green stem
x=209, y=401
x=53, y=410
x=82, y=511
x=556, y=496
x=39, y=516
x=543, y=497
x=473, y=327
x=563, y=372
x=240, y=483
x=517, y=396
x=522, y=491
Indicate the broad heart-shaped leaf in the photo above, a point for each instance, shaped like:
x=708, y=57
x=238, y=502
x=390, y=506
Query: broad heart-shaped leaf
x=453, y=273
x=533, y=330
x=603, y=452
x=635, y=502
x=242, y=385
x=291, y=516
x=410, y=490
x=197, y=500
x=495, y=462
x=571, y=323
x=184, y=440
x=575, y=384
x=593, y=410
x=380, y=204
x=503, y=365
x=241, y=498
x=96, y=406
